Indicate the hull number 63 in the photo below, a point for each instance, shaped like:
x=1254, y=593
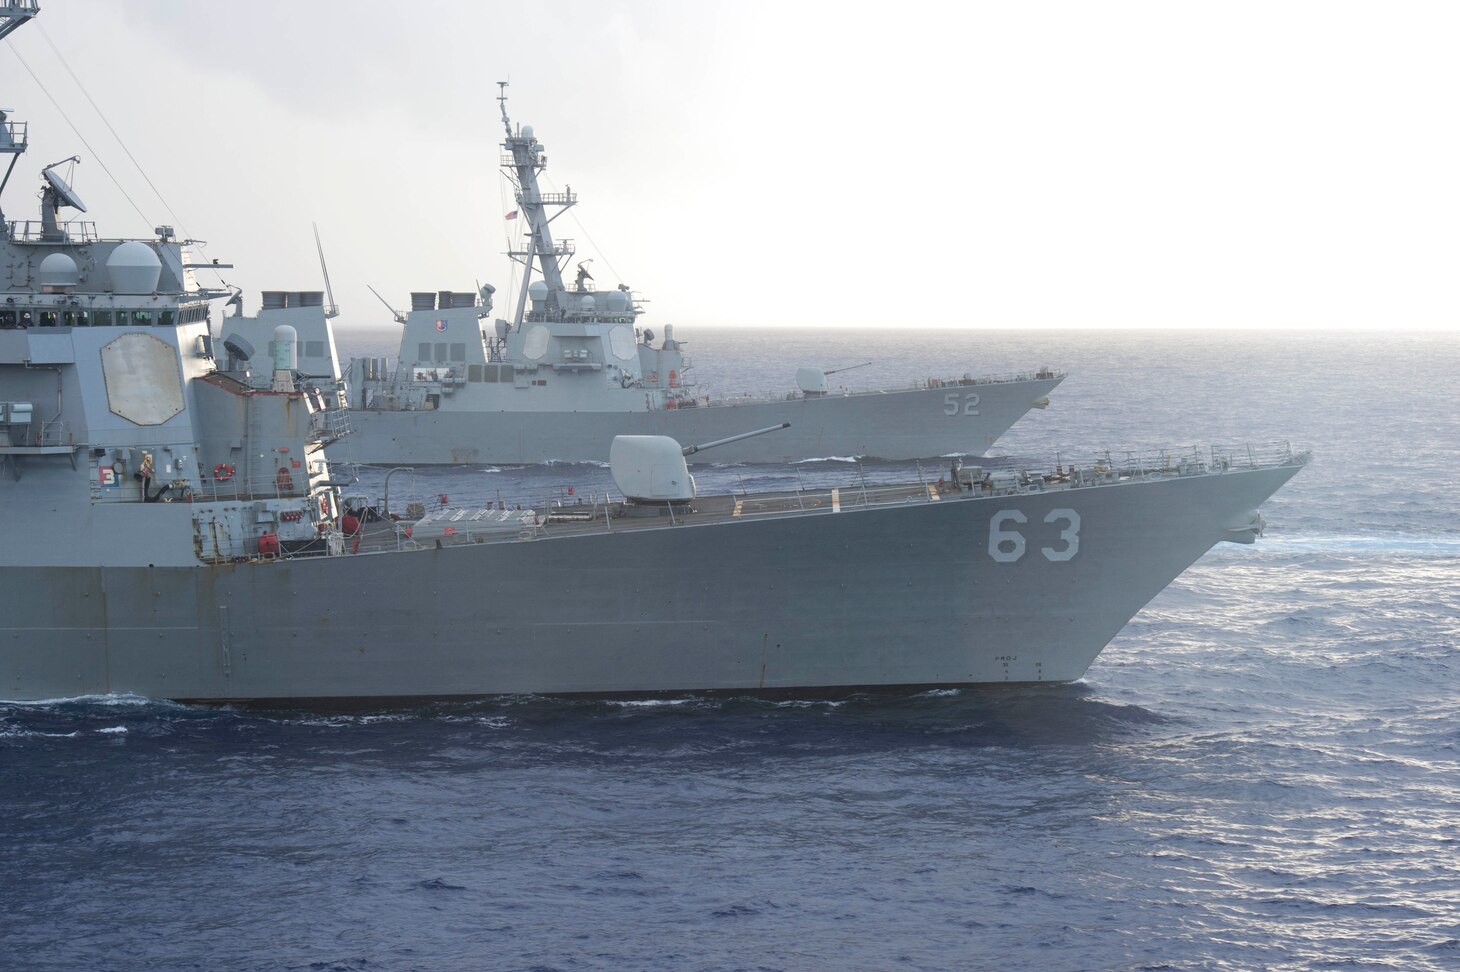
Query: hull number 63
x=1007, y=545
x=964, y=404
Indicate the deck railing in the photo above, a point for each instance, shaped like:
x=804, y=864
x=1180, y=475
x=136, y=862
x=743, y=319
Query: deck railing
x=1009, y=476
x=922, y=384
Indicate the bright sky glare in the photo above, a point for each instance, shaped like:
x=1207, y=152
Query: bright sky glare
x=1129, y=164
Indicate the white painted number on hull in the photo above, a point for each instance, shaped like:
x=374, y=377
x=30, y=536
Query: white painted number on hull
x=1070, y=535
x=1007, y=545
x=953, y=406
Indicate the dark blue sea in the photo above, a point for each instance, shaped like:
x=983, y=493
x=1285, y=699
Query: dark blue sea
x=1262, y=771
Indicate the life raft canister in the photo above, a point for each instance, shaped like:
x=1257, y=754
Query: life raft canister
x=673, y=378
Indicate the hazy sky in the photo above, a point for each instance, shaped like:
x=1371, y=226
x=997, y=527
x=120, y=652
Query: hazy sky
x=1262, y=165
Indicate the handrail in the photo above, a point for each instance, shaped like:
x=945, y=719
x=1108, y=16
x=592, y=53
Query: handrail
x=1013, y=475
x=33, y=231
x=924, y=384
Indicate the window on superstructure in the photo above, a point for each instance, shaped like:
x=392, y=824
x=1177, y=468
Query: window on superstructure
x=103, y=318
x=441, y=352
x=473, y=372
x=8, y=318
x=489, y=373
x=141, y=318
x=48, y=318
x=458, y=352
x=68, y=318
x=314, y=349
x=425, y=353
x=167, y=316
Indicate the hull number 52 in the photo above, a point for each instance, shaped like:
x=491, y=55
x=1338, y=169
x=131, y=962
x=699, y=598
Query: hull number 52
x=956, y=404
x=1007, y=545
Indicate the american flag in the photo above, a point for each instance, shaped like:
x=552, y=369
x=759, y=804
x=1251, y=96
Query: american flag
x=511, y=215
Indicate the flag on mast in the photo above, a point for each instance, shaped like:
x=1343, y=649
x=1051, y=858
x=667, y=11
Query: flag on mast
x=511, y=215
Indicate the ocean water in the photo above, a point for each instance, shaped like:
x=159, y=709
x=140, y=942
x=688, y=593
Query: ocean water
x=1262, y=771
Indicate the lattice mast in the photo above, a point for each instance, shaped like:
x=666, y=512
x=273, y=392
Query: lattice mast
x=524, y=160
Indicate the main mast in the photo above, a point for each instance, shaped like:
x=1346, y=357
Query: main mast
x=13, y=13
x=525, y=159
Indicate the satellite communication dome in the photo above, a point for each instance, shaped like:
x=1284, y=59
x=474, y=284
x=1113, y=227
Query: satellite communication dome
x=286, y=341
x=538, y=291
x=134, y=268
x=527, y=131
x=587, y=305
x=58, y=270
x=616, y=301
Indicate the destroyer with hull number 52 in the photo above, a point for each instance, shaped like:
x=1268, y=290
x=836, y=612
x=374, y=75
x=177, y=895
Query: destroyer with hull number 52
x=172, y=529
x=572, y=369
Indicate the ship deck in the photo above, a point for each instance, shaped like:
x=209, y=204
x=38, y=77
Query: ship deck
x=599, y=515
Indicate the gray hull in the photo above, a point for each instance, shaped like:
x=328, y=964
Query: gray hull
x=883, y=596
x=908, y=424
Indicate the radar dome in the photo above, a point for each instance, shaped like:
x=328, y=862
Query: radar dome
x=587, y=305
x=526, y=131
x=286, y=341
x=538, y=291
x=134, y=268
x=58, y=270
x=616, y=302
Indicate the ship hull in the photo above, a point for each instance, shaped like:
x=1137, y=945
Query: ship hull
x=910, y=424
x=891, y=596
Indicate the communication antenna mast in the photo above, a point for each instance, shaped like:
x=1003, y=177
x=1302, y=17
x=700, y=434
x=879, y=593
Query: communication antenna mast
x=330, y=309
x=502, y=100
x=399, y=317
x=16, y=12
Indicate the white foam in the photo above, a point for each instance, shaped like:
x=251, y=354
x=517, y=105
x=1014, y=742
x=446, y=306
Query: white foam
x=117, y=699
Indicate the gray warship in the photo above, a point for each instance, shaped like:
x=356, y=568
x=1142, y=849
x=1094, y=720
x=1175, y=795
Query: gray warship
x=173, y=529
x=573, y=368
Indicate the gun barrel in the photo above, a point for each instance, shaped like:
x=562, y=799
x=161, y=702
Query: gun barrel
x=691, y=450
x=833, y=371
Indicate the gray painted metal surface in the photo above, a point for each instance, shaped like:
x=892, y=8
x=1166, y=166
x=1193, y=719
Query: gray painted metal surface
x=573, y=367
x=172, y=529
x=889, y=595
x=900, y=424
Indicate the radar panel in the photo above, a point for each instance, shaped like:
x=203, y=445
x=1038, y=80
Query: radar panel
x=143, y=383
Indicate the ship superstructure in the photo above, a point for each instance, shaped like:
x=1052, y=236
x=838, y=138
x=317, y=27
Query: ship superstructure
x=172, y=529
x=573, y=366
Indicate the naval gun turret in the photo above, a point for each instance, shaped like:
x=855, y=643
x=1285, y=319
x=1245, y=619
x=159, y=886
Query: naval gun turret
x=651, y=472
x=812, y=381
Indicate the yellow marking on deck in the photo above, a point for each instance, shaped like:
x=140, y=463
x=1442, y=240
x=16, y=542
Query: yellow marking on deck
x=933, y=494
x=738, y=504
x=836, y=500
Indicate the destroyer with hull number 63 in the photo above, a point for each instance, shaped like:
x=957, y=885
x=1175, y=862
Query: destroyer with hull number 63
x=172, y=529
